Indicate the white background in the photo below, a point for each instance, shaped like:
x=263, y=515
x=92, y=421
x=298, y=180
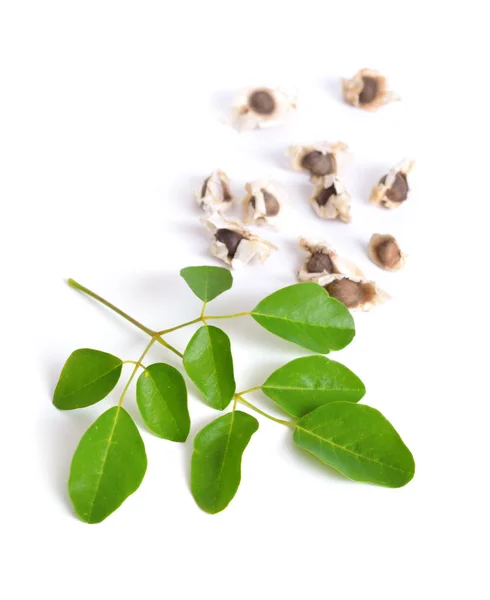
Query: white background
x=110, y=115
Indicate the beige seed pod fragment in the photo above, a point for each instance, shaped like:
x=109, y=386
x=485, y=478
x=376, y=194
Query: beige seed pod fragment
x=261, y=107
x=264, y=202
x=235, y=245
x=215, y=194
x=356, y=293
x=323, y=260
x=368, y=90
x=385, y=252
x=392, y=189
x=330, y=200
x=319, y=159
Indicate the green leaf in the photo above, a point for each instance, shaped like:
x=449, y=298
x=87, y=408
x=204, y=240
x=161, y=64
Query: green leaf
x=207, y=282
x=357, y=441
x=208, y=362
x=305, y=314
x=86, y=378
x=107, y=467
x=217, y=457
x=306, y=383
x=161, y=395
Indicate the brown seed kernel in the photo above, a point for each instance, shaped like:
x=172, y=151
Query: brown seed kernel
x=318, y=163
x=369, y=90
x=388, y=253
x=398, y=192
x=262, y=102
x=325, y=194
x=346, y=291
x=320, y=263
x=271, y=203
x=230, y=239
x=392, y=189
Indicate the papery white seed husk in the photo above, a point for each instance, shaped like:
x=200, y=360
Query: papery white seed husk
x=339, y=150
x=352, y=88
x=244, y=118
x=379, y=296
x=214, y=197
x=378, y=193
x=338, y=205
x=249, y=247
x=341, y=265
x=374, y=242
x=258, y=215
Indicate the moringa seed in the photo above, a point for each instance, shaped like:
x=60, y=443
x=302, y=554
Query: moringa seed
x=369, y=90
x=320, y=263
x=346, y=291
x=262, y=102
x=388, y=253
x=324, y=196
x=398, y=192
x=318, y=163
x=230, y=239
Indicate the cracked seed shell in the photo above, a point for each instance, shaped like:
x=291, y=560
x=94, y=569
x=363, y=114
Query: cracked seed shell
x=385, y=251
x=235, y=245
x=392, y=189
x=357, y=293
x=215, y=194
x=319, y=159
x=330, y=200
x=261, y=107
x=263, y=202
x=323, y=260
x=367, y=90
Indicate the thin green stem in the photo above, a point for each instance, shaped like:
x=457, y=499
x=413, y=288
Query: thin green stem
x=133, y=362
x=264, y=414
x=137, y=364
x=74, y=284
x=164, y=331
x=242, y=314
x=202, y=311
x=163, y=342
x=257, y=387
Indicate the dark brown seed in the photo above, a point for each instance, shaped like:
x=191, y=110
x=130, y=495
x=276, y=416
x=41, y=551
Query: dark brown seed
x=230, y=239
x=204, y=187
x=226, y=192
x=388, y=253
x=346, y=291
x=398, y=192
x=262, y=102
x=320, y=263
x=369, y=90
x=318, y=164
x=325, y=194
x=271, y=203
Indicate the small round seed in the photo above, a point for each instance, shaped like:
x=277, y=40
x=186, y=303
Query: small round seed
x=388, y=253
x=369, y=90
x=230, y=239
x=398, y=192
x=262, y=102
x=318, y=164
x=346, y=291
x=324, y=195
x=320, y=263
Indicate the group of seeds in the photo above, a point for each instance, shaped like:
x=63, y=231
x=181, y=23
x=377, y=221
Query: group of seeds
x=265, y=199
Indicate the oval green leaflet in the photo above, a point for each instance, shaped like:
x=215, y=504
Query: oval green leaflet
x=217, y=457
x=308, y=382
x=161, y=395
x=357, y=441
x=208, y=362
x=207, y=282
x=87, y=377
x=305, y=314
x=108, y=465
